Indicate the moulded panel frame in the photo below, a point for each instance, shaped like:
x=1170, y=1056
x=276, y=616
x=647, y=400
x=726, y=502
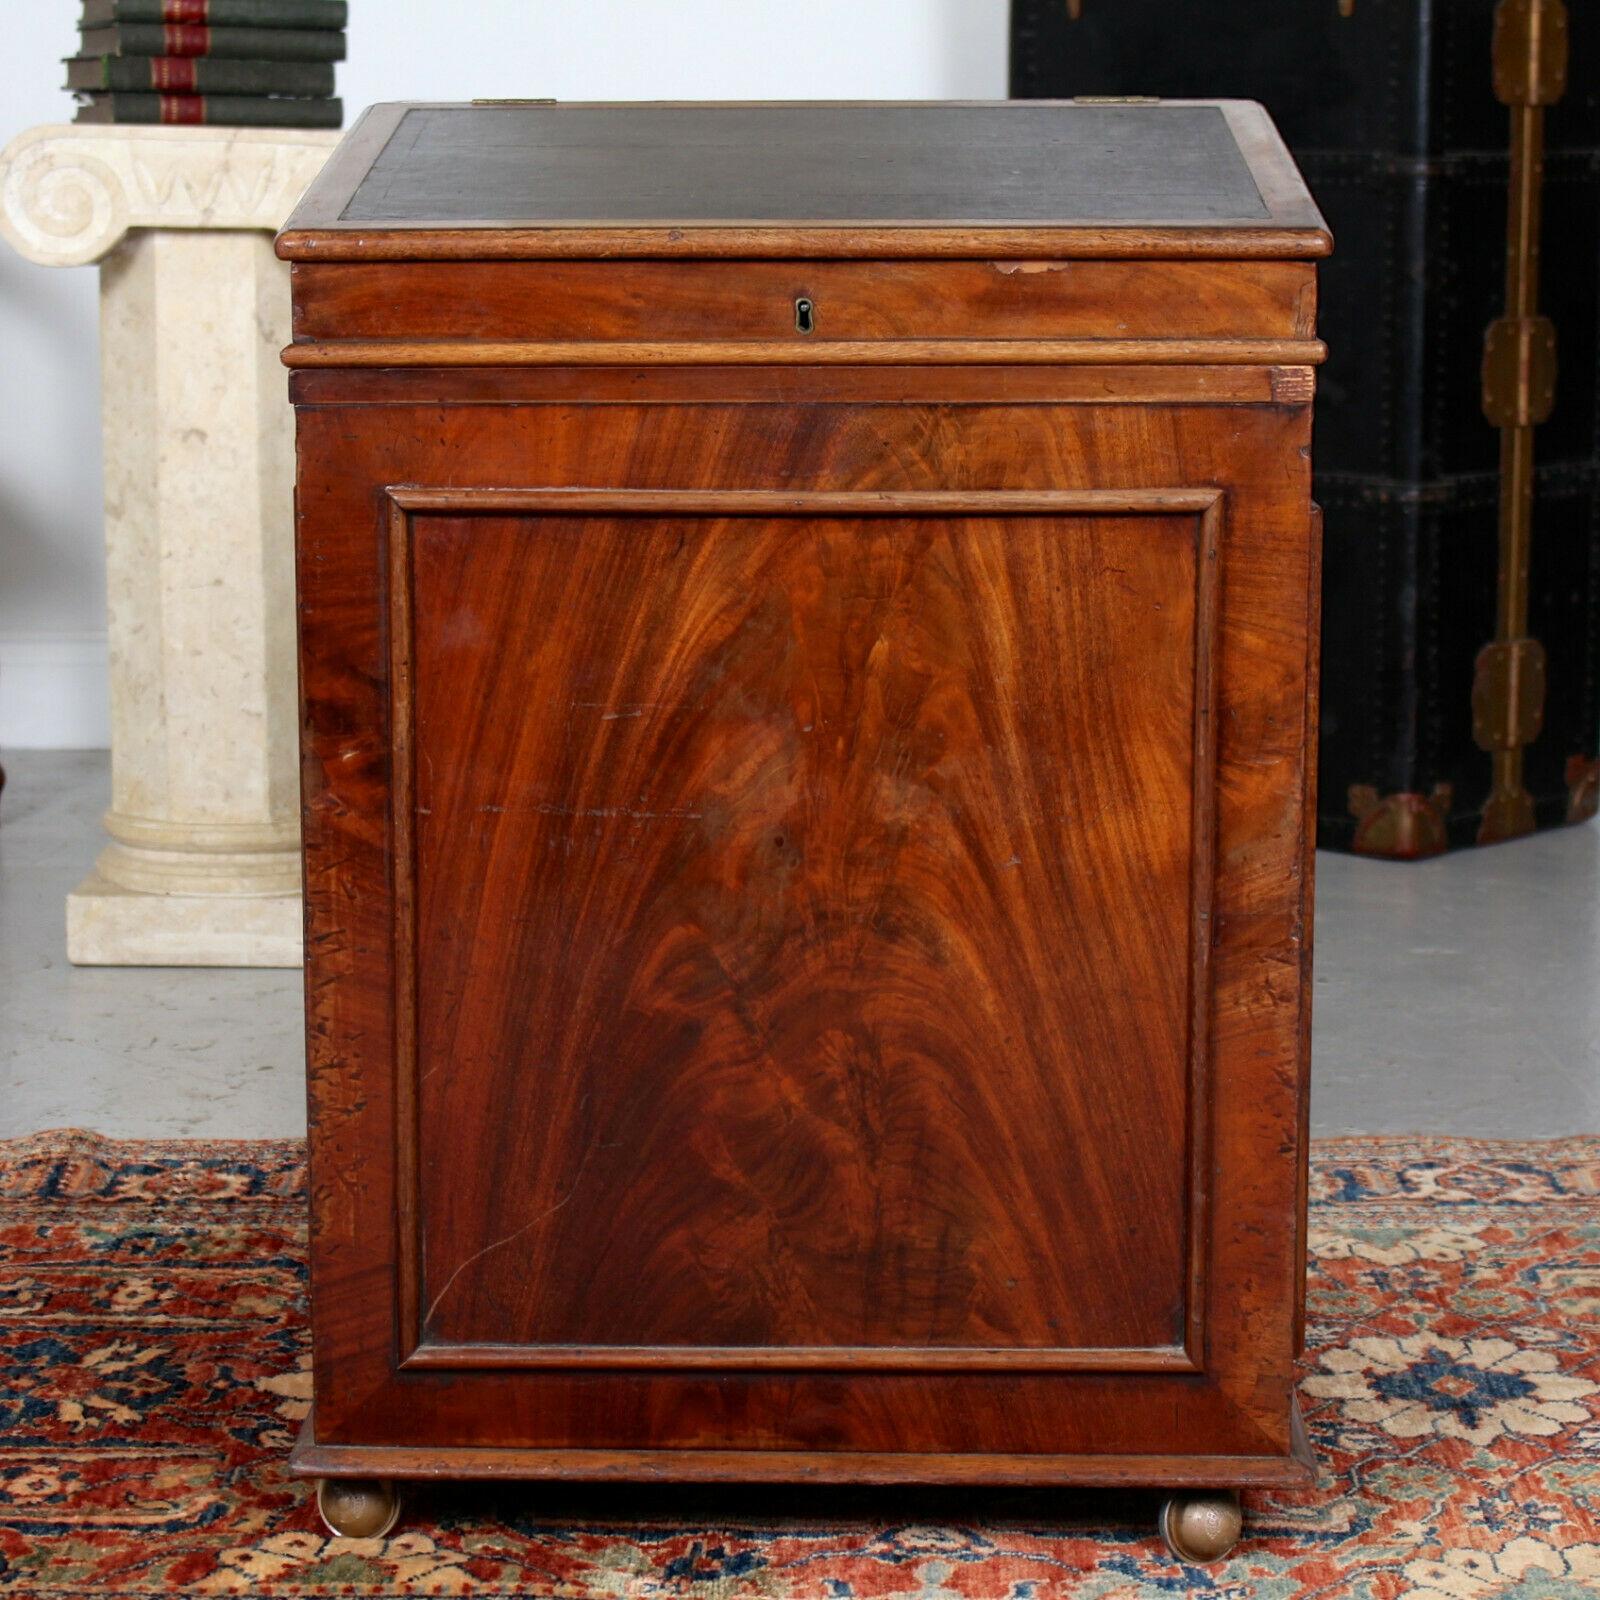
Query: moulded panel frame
x=1204, y=507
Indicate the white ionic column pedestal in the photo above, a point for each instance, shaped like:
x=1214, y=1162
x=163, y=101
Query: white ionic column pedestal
x=203, y=863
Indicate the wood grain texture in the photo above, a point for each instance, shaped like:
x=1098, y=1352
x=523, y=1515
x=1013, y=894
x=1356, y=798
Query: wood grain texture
x=790, y=385
x=916, y=445
x=886, y=352
x=320, y=242
x=788, y=745
x=702, y=301
x=312, y=1458
x=1308, y=880
x=807, y=845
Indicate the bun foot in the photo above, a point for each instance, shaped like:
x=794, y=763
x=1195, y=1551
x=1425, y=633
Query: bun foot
x=1201, y=1528
x=358, y=1508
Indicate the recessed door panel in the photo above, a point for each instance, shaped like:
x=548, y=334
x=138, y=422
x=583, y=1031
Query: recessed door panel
x=797, y=892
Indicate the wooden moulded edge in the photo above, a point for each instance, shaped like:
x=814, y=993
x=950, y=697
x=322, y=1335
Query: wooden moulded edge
x=416, y=1350
x=311, y=1458
x=1294, y=228
x=1279, y=353
x=790, y=386
x=487, y=241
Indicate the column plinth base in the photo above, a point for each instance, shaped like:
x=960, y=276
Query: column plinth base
x=109, y=926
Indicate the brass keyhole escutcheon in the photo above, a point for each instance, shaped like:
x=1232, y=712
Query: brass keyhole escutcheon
x=805, y=315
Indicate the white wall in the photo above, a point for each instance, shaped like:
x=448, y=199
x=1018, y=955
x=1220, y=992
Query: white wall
x=52, y=572
x=52, y=577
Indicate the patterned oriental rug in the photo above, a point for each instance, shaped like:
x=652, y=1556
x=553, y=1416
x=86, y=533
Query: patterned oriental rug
x=153, y=1354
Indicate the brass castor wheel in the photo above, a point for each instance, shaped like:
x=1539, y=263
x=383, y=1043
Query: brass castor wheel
x=358, y=1508
x=1200, y=1528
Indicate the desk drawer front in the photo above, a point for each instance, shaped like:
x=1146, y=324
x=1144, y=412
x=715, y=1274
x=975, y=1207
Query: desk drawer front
x=633, y=302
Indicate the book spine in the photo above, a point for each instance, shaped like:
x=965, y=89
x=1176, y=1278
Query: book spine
x=209, y=75
x=168, y=74
x=192, y=39
x=223, y=13
x=239, y=111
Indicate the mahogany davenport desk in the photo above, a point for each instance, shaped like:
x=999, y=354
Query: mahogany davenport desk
x=807, y=618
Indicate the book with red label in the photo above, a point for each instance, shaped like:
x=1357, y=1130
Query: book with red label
x=223, y=110
x=218, y=13
x=197, y=39
x=198, y=75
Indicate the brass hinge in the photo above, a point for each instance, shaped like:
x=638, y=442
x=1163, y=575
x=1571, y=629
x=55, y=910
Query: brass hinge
x=1508, y=694
x=1116, y=99
x=549, y=102
x=1519, y=371
x=1530, y=52
x=1519, y=388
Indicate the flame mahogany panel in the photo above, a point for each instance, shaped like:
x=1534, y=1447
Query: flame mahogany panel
x=496, y=627
x=767, y=905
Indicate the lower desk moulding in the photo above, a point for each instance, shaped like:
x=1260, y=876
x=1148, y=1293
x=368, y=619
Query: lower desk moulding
x=311, y=1458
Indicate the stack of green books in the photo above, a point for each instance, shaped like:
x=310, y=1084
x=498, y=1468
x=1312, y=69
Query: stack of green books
x=230, y=63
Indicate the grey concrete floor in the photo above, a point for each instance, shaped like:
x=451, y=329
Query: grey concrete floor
x=165, y=1052
x=1458, y=996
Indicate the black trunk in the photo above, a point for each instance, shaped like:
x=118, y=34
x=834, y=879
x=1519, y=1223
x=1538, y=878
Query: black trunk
x=1391, y=113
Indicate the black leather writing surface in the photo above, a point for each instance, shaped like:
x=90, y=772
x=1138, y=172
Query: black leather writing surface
x=1040, y=164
